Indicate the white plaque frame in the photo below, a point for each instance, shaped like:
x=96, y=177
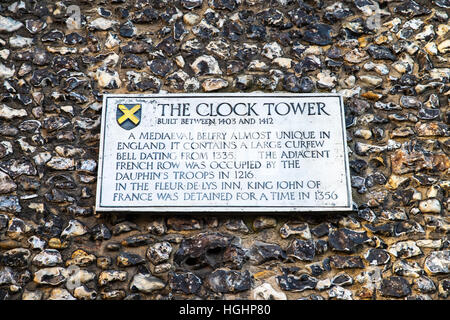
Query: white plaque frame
x=102, y=206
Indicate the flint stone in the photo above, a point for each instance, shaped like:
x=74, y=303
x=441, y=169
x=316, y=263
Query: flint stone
x=146, y=283
x=236, y=225
x=78, y=276
x=229, y=281
x=300, y=229
x=403, y=268
x=7, y=185
x=47, y=258
x=35, y=26
x=162, y=268
x=161, y=67
x=301, y=250
x=108, y=79
x=112, y=295
x=342, y=279
x=213, y=84
x=88, y=165
x=340, y=293
x=103, y=24
x=127, y=30
x=35, y=242
x=346, y=240
x=179, y=224
x=377, y=257
x=51, y=276
x=209, y=250
x=295, y=84
x=60, y=294
x=17, y=228
x=261, y=223
x=411, y=9
x=104, y=262
x=8, y=24
x=60, y=163
x=32, y=295
x=108, y=276
x=3, y=221
x=6, y=73
x=444, y=288
x=191, y=4
x=294, y=283
x=10, y=204
x=206, y=65
x=405, y=249
x=438, y=262
x=267, y=292
x=381, y=53
x=346, y=262
x=425, y=284
x=187, y=282
x=321, y=230
x=159, y=252
x=262, y=252
x=74, y=229
x=157, y=227
x=430, y=206
x=319, y=34
x=100, y=232
x=81, y=258
x=396, y=287
x=6, y=276
x=9, y=113
x=15, y=258
x=124, y=227
x=83, y=293
x=125, y=259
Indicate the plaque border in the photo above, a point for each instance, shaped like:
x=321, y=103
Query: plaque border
x=228, y=209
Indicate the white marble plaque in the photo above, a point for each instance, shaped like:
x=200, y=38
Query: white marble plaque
x=223, y=153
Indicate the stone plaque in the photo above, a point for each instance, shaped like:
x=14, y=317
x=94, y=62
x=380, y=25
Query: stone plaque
x=223, y=152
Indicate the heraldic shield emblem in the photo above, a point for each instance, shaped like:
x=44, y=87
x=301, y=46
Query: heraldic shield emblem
x=128, y=115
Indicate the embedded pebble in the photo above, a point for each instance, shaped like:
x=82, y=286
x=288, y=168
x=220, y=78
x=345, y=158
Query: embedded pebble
x=407, y=269
x=74, y=229
x=103, y=24
x=206, y=65
x=340, y=293
x=60, y=294
x=32, y=295
x=51, y=276
x=267, y=292
x=8, y=113
x=430, y=206
x=214, y=84
x=7, y=185
x=108, y=276
x=438, y=262
x=146, y=283
x=108, y=79
x=159, y=252
x=47, y=258
x=396, y=287
x=300, y=229
x=405, y=249
x=83, y=293
x=229, y=281
x=184, y=282
x=7, y=24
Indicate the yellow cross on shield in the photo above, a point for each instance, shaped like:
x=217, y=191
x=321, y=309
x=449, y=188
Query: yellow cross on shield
x=128, y=115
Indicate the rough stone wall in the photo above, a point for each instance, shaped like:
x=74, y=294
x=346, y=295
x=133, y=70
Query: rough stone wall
x=395, y=80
